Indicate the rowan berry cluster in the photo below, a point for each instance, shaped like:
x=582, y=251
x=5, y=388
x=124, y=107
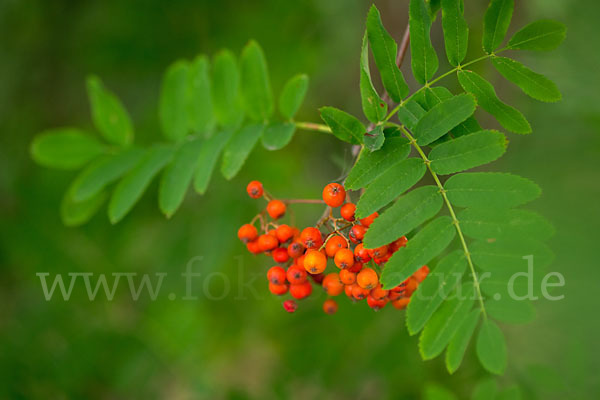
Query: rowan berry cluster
x=302, y=255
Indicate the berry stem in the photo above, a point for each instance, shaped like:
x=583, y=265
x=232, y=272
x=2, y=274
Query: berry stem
x=455, y=221
x=303, y=201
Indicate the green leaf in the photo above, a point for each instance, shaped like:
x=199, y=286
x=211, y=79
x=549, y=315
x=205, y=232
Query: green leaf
x=422, y=248
x=385, y=51
x=511, y=393
x=74, y=213
x=458, y=345
x=490, y=190
x=109, y=116
x=533, y=84
x=374, y=138
x=277, y=135
x=344, y=126
x=104, y=171
x=177, y=176
x=432, y=96
x=424, y=60
x=467, y=152
x=238, y=148
x=494, y=223
x=65, y=148
x=174, y=101
x=543, y=35
x=491, y=347
x=207, y=159
x=445, y=321
x=434, y=290
x=469, y=125
x=292, y=95
x=201, y=116
x=509, y=117
x=225, y=90
x=443, y=117
x=256, y=89
x=374, y=108
x=410, y=113
x=495, y=23
x=408, y=212
x=510, y=254
x=456, y=31
x=130, y=189
x=436, y=392
x=390, y=185
x=486, y=389
x=508, y=310
x=370, y=165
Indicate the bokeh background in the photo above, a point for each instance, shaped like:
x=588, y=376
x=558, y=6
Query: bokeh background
x=234, y=348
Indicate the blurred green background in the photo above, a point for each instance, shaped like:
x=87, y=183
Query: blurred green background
x=244, y=345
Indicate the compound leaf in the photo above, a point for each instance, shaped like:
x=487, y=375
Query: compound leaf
x=410, y=113
x=374, y=138
x=75, y=213
x=458, y=345
x=508, y=310
x=292, y=95
x=225, y=90
x=490, y=189
x=509, y=117
x=277, y=135
x=424, y=60
x=543, y=35
x=494, y=223
x=443, y=117
x=390, y=185
x=533, y=84
x=495, y=23
x=408, y=212
x=491, y=347
x=467, y=152
x=65, y=148
x=207, y=159
x=109, y=116
x=239, y=147
x=456, y=31
x=422, y=248
x=201, y=117
x=370, y=165
x=510, y=254
x=256, y=89
x=374, y=108
x=173, y=105
x=344, y=126
x=129, y=189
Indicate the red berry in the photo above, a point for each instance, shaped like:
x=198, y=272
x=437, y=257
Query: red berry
x=276, y=208
x=356, y=267
x=358, y=292
x=296, y=275
x=375, y=304
x=290, y=306
x=357, y=233
x=401, y=303
x=397, y=244
x=253, y=247
x=334, y=195
x=421, y=273
x=344, y=258
x=276, y=275
x=280, y=255
x=311, y=238
x=278, y=290
x=295, y=249
x=330, y=306
x=361, y=254
x=347, y=211
x=267, y=242
x=378, y=252
x=367, y=221
x=300, y=291
x=247, y=233
x=332, y=284
x=255, y=189
x=284, y=233
x=334, y=244
x=379, y=293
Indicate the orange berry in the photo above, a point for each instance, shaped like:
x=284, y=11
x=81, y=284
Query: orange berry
x=411, y=286
x=421, y=273
x=332, y=284
x=253, y=247
x=367, y=278
x=348, y=290
x=299, y=261
x=278, y=290
x=315, y=262
x=379, y=293
x=295, y=249
x=280, y=255
x=397, y=244
x=334, y=244
x=330, y=306
x=367, y=221
x=334, y=195
x=375, y=304
x=344, y=258
x=357, y=233
x=347, y=277
x=311, y=238
x=300, y=291
x=267, y=242
x=284, y=233
x=296, y=275
x=359, y=293
x=361, y=254
x=347, y=211
x=276, y=208
x=247, y=233
x=255, y=189
x=401, y=303
x=276, y=275
x=378, y=252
